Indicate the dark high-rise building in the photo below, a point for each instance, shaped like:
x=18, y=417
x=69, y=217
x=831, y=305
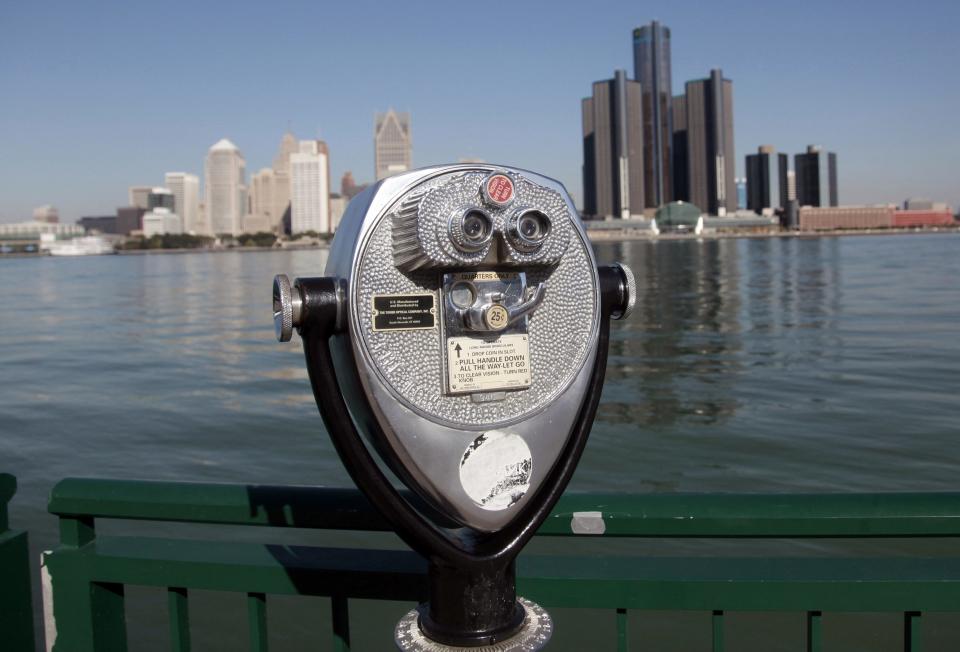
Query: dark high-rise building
x=816, y=177
x=130, y=218
x=613, y=148
x=710, y=154
x=651, y=67
x=681, y=184
x=99, y=224
x=766, y=180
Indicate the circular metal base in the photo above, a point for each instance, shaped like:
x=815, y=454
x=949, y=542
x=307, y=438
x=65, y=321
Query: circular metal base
x=534, y=634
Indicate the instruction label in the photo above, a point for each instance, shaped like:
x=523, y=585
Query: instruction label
x=475, y=365
x=400, y=312
x=484, y=276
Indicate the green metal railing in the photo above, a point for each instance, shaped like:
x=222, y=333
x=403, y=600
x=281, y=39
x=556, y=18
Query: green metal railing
x=89, y=571
x=16, y=616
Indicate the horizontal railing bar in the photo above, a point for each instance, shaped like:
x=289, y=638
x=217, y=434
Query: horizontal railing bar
x=659, y=583
x=648, y=515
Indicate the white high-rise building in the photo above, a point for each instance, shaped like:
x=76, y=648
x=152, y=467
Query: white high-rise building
x=137, y=195
x=791, y=185
x=310, y=188
x=161, y=221
x=288, y=146
x=392, y=143
x=186, y=191
x=226, y=192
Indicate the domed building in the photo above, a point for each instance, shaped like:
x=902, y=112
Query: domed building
x=679, y=216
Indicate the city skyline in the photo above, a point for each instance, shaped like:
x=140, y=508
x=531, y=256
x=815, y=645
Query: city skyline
x=896, y=139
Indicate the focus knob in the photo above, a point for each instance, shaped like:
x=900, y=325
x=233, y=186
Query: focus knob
x=628, y=292
x=286, y=307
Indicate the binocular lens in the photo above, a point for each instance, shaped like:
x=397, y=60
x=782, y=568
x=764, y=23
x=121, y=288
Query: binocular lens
x=476, y=227
x=529, y=230
x=472, y=231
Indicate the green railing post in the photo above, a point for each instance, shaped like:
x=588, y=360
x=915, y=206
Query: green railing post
x=341, y=623
x=89, y=615
x=717, y=631
x=814, y=631
x=16, y=608
x=179, y=619
x=911, y=632
x=257, y=615
x=622, y=645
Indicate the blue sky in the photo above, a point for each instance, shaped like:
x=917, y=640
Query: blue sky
x=98, y=96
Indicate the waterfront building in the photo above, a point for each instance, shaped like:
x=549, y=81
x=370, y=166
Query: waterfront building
x=651, y=65
x=708, y=105
x=186, y=192
x=791, y=185
x=815, y=218
x=937, y=215
x=288, y=147
x=34, y=229
x=99, y=224
x=392, y=143
x=161, y=198
x=816, y=177
x=766, y=180
x=310, y=188
x=226, y=192
x=681, y=184
x=47, y=214
x=137, y=195
x=347, y=184
x=130, y=219
x=260, y=198
x=916, y=204
x=338, y=205
x=613, y=149
x=160, y=220
x=741, y=193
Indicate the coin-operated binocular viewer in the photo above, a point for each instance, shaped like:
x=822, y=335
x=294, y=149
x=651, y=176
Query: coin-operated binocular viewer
x=459, y=341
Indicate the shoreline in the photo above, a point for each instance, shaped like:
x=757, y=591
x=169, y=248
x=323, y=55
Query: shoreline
x=596, y=236
x=623, y=236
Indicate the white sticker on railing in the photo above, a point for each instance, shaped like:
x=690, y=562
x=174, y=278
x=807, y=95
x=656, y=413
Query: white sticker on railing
x=49, y=621
x=588, y=523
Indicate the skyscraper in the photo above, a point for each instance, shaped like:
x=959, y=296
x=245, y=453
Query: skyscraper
x=766, y=180
x=186, y=192
x=651, y=65
x=161, y=198
x=613, y=148
x=226, y=192
x=392, y=143
x=816, y=177
x=288, y=146
x=710, y=152
x=137, y=195
x=310, y=188
x=681, y=184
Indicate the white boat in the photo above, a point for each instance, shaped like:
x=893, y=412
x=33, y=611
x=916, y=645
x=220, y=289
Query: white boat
x=89, y=245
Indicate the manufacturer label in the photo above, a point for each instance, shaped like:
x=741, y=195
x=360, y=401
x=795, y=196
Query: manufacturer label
x=475, y=365
x=401, y=312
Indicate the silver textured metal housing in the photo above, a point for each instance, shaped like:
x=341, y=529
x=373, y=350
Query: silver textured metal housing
x=394, y=240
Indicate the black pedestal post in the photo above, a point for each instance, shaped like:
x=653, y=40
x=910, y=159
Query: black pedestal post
x=472, y=606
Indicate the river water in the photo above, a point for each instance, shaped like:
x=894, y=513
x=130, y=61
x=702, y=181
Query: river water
x=769, y=365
